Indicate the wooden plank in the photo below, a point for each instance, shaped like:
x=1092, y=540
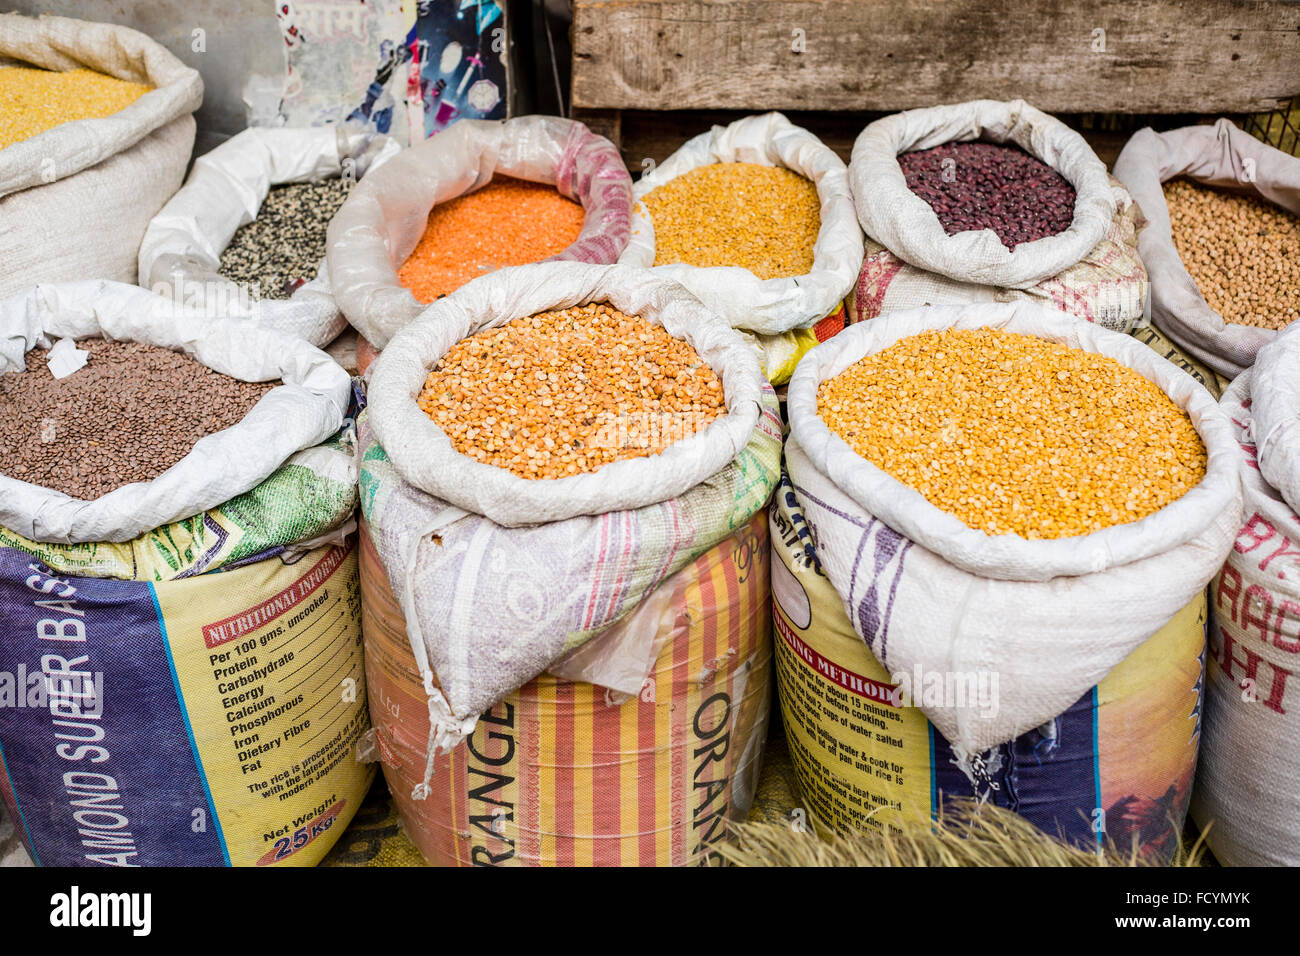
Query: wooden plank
x=1126, y=56
x=606, y=123
x=648, y=137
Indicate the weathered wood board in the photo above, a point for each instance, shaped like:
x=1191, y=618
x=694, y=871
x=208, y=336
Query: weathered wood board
x=1117, y=56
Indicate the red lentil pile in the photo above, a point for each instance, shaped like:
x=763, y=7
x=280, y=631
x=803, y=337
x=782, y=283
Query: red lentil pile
x=1016, y=435
x=130, y=414
x=509, y=222
x=973, y=186
x=570, y=391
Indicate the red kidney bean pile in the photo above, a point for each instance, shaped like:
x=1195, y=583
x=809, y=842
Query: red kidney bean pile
x=991, y=186
x=130, y=414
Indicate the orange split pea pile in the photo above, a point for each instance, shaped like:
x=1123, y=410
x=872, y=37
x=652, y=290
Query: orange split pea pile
x=1016, y=435
x=570, y=391
x=761, y=218
x=509, y=222
x=36, y=100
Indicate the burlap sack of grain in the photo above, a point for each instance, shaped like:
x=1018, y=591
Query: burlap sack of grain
x=1115, y=767
x=76, y=199
x=1049, y=618
x=386, y=214
x=1218, y=155
x=180, y=677
x=1248, y=785
x=180, y=254
x=499, y=576
x=778, y=315
x=1092, y=270
x=639, y=750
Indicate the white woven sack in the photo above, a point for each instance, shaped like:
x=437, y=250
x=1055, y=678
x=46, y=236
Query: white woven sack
x=500, y=577
x=181, y=252
x=1219, y=155
x=385, y=216
x=424, y=455
x=1108, y=286
x=304, y=411
x=76, y=199
x=764, y=306
x=905, y=224
x=1049, y=618
x=1248, y=780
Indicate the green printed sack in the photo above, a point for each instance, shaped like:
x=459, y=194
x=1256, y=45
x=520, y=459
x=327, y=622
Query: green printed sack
x=186, y=692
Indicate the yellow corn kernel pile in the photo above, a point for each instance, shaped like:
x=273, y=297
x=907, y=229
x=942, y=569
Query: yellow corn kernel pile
x=33, y=100
x=1016, y=435
x=761, y=218
x=570, y=391
x=1243, y=252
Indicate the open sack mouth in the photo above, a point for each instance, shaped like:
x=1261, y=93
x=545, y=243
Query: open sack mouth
x=1014, y=437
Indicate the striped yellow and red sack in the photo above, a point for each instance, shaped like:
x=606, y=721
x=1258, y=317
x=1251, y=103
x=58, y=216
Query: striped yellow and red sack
x=568, y=773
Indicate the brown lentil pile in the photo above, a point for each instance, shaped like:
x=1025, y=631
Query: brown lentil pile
x=761, y=218
x=33, y=100
x=972, y=186
x=1016, y=435
x=282, y=248
x=1243, y=252
x=570, y=391
x=509, y=222
x=130, y=414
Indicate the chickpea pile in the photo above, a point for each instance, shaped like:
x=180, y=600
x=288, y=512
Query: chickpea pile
x=1243, y=253
x=1016, y=435
x=570, y=391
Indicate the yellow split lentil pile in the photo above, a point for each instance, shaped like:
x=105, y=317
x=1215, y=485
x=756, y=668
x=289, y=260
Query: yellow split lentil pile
x=761, y=218
x=1016, y=435
x=1243, y=252
x=34, y=100
x=570, y=391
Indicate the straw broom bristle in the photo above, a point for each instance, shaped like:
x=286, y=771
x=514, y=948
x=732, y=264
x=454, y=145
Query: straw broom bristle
x=965, y=834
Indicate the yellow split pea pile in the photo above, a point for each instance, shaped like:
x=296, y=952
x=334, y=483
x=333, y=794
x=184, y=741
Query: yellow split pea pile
x=761, y=218
x=1016, y=435
x=36, y=100
x=1243, y=253
x=570, y=391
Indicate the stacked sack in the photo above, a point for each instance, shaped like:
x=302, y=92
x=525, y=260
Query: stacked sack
x=75, y=200
x=1246, y=796
x=1095, y=641
x=181, y=253
x=1227, y=158
x=782, y=316
x=182, y=676
x=586, y=663
x=384, y=218
x=1091, y=269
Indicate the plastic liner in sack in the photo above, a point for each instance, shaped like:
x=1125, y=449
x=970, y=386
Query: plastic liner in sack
x=181, y=252
x=1091, y=270
x=778, y=313
x=1115, y=767
x=1219, y=155
x=1248, y=785
x=499, y=576
x=639, y=750
x=384, y=217
x=75, y=200
x=180, y=677
x=1048, y=618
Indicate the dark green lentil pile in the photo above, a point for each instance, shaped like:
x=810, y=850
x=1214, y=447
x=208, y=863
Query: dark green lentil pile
x=282, y=248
